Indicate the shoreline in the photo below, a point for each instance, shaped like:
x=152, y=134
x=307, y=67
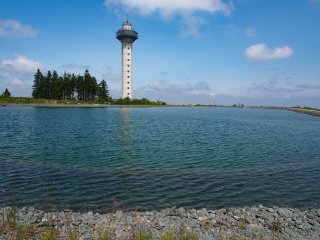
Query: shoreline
x=80, y=105
x=258, y=222
x=311, y=112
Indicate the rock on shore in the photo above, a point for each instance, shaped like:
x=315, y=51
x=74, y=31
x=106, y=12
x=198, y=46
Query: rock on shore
x=233, y=223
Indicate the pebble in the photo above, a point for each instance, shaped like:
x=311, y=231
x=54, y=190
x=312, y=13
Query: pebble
x=206, y=224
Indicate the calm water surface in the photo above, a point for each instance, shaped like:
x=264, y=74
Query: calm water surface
x=151, y=158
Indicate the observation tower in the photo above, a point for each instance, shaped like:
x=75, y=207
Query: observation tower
x=127, y=35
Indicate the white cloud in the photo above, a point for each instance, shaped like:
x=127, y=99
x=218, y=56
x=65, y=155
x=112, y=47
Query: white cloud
x=191, y=26
x=111, y=77
x=250, y=32
x=17, y=75
x=233, y=30
x=314, y=1
x=75, y=66
x=199, y=88
x=13, y=28
x=147, y=7
x=176, y=9
x=263, y=52
x=20, y=64
x=308, y=86
x=18, y=82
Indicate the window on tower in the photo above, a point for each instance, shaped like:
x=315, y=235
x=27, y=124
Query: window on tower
x=128, y=76
x=128, y=82
x=128, y=65
x=128, y=87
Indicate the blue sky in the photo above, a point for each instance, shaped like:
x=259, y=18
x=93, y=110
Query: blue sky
x=264, y=52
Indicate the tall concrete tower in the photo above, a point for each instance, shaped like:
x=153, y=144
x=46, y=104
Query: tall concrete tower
x=127, y=35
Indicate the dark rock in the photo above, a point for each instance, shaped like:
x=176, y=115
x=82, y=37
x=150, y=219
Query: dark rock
x=221, y=211
x=34, y=219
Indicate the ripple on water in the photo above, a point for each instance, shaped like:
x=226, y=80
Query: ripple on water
x=153, y=158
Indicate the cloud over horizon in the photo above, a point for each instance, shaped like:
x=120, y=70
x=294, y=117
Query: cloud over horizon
x=199, y=88
x=17, y=74
x=263, y=52
x=13, y=28
x=178, y=9
x=20, y=64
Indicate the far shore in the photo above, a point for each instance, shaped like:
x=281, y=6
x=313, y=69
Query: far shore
x=78, y=105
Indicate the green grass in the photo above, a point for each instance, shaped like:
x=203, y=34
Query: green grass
x=168, y=236
x=188, y=236
x=276, y=226
x=184, y=236
x=242, y=223
x=104, y=236
x=28, y=100
x=48, y=234
x=142, y=236
x=72, y=235
x=307, y=108
x=25, y=232
x=10, y=221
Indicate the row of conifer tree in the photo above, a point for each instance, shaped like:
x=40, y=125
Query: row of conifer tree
x=69, y=87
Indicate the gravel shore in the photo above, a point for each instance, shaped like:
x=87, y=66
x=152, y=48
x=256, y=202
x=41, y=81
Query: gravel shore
x=233, y=223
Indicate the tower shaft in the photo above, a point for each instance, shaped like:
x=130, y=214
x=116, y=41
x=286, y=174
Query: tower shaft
x=126, y=69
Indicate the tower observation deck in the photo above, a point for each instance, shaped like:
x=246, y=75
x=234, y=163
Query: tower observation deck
x=127, y=35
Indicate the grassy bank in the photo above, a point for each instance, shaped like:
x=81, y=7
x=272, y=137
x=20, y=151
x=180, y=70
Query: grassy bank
x=28, y=100
x=306, y=110
x=66, y=103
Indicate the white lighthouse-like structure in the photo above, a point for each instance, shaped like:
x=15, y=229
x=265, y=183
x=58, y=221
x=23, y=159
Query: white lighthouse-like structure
x=127, y=35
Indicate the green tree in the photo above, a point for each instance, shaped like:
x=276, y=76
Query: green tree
x=38, y=82
x=80, y=87
x=69, y=86
x=6, y=93
x=47, y=86
x=60, y=89
x=73, y=83
x=54, y=92
x=90, y=86
x=103, y=92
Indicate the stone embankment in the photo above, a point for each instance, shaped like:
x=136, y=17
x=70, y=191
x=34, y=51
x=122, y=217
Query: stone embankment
x=173, y=223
